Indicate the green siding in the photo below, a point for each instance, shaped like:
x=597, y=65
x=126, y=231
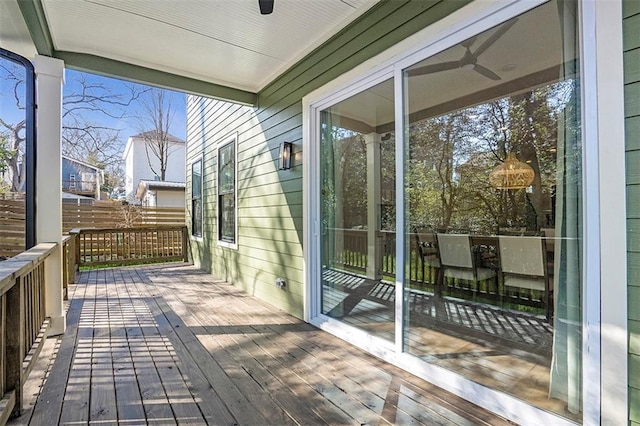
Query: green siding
x=631, y=31
x=269, y=200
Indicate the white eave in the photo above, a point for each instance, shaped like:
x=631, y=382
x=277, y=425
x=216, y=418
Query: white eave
x=222, y=46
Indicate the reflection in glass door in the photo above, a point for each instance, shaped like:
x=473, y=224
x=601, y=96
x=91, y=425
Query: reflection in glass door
x=493, y=209
x=17, y=140
x=357, y=203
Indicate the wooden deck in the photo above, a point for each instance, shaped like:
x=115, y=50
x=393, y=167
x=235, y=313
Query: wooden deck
x=168, y=344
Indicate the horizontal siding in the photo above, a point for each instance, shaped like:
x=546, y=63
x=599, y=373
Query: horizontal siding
x=634, y=405
x=269, y=200
x=631, y=31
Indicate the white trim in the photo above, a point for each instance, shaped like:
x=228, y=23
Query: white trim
x=232, y=139
x=605, y=310
x=398, y=95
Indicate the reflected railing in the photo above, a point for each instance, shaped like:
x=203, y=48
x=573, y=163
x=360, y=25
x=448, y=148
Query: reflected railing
x=424, y=272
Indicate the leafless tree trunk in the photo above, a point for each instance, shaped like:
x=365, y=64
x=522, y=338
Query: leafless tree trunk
x=82, y=138
x=158, y=116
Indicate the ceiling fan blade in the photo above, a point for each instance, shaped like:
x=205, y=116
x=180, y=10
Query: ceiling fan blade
x=486, y=72
x=429, y=69
x=469, y=42
x=494, y=37
x=266, y=6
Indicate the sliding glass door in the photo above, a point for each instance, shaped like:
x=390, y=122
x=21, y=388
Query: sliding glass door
x=493, y=209
x=475, y=266
x=358, y=210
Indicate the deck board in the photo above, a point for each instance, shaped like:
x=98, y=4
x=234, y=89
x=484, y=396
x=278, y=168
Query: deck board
x=169, y=344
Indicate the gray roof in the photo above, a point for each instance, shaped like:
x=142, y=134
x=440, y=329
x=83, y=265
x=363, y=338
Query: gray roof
x=151, y=133
x=162, y=184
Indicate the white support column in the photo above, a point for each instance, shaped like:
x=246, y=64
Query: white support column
x=49, y=81
x=373, y=205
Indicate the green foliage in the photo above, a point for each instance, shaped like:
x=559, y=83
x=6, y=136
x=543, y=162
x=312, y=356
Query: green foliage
x=6, y=154
x=451, y=156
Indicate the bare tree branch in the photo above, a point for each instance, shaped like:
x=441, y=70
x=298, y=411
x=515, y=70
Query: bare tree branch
x=155, y=123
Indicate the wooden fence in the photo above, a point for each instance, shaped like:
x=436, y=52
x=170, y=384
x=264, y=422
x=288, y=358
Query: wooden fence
x=12, y=227
x=103, y=214
x=121, y=246
x=22, y=323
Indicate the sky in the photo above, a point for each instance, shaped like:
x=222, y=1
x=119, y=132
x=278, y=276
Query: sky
x=128, y=125
x=126, y=121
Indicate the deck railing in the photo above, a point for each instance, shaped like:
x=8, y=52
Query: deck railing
x=22, y=322
x=121, y=246
x=69, y=262
x=351, y=255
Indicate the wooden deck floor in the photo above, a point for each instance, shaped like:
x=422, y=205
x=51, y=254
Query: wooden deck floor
x=167, y=344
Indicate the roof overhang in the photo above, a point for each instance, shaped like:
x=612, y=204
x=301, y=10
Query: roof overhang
x=221, y=48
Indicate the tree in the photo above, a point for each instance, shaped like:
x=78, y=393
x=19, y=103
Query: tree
x=12, y=123
x=87, y=102
x=5, y=154
x=158, y=116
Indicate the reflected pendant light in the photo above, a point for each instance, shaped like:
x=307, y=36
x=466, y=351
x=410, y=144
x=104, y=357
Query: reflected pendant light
x=511, y=174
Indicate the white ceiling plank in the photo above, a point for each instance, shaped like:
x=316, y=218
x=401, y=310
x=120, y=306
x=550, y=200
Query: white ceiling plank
x=225, y=42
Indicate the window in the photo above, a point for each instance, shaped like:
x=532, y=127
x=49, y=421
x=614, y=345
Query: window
x=196, y=198
x=227, y=223
x=72, y=181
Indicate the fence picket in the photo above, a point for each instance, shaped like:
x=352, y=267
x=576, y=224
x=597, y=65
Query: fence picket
x=102, y=214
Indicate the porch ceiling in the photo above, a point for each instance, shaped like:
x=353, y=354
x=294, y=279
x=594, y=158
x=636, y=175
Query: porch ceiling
x=220, y=48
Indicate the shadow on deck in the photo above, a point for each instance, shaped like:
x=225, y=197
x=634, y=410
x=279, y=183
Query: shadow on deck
x=169, y=344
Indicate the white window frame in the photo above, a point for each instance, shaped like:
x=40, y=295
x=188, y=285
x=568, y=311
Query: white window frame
x=605, y=393
x=72, y=181
x=233, y=139
x=200, y=158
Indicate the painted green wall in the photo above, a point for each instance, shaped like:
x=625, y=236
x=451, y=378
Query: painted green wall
x=269, y=200
x=631, y=31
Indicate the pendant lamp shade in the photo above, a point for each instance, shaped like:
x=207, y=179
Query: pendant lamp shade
x=511, y=174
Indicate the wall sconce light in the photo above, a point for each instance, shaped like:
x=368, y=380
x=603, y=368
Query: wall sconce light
x=286, y=151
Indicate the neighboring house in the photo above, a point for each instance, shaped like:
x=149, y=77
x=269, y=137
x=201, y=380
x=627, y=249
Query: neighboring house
x=68, y=198
x=154, y=193
x=80, y=178
x=139, y=163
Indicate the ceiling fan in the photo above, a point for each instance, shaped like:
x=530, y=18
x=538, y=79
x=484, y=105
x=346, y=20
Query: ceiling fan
x=469, y=60
x=266, y=6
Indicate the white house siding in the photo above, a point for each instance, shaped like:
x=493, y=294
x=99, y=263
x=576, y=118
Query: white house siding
x=137, y=164
x=169, y=198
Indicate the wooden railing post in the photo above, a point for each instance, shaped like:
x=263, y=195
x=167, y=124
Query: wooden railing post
x=185, y=242
x=75, y=234
x=15, y=342
x=72, y=261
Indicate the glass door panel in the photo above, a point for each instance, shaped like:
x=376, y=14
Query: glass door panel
x=493, y=209
x=357, y=202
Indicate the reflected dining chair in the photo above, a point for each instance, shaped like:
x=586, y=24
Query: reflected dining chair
x=457, y=260
x=426, y=249
x=523, y=265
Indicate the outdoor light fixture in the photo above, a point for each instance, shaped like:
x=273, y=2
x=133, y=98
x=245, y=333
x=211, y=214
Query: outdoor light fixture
x=512, y=174
x=266, y=6
x=286, y=151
